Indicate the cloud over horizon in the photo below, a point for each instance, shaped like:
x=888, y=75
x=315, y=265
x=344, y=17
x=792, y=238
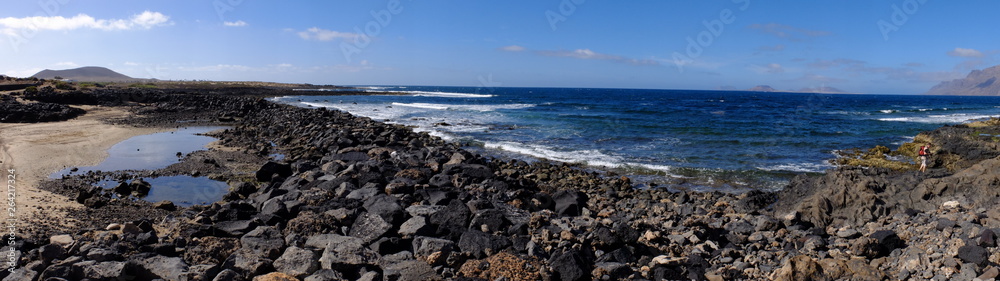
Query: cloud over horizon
x=967, y=53
x=144, y=20
x=771, y=68
x=788, y=32
x=319, y=34
x=512, y=48
x=238, y=23
x=587, y=54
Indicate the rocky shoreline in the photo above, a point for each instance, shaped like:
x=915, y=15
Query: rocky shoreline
x=356, y=199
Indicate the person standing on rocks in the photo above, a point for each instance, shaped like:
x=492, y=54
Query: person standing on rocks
x=924, y=152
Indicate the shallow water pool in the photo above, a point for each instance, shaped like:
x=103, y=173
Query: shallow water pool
x=184, y=191
x=149, y=152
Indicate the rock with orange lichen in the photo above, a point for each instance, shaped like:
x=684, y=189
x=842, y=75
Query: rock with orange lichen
x=275, y=276
x=503, y=265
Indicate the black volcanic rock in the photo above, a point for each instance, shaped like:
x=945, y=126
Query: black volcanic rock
x=12, y=111
x=977, y=83
x=268, y=170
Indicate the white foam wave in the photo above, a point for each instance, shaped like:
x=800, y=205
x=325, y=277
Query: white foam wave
x=938, y=119
x=848, y=113
x=373, y=111
x=904, y=139
x=887, y=111
x=319, y=104
x=446, y=94
x=798, y=167
x=422, y=105
x=588, y=157
x=465, y=107
x=313, y=90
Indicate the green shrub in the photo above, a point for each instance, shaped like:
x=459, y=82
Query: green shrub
x=64, y=86
x=31, y=90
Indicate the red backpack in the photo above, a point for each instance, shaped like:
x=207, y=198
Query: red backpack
x=923, y=151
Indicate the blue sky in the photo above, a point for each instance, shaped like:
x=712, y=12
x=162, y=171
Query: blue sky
x=878, y=47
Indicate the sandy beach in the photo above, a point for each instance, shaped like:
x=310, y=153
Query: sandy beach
x=35, y=150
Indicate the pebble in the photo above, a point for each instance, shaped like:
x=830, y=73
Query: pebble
x=847, y=233
x=62, y=240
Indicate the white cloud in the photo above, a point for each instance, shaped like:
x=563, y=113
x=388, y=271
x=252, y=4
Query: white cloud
x=816, y=78
x=271, y=68
x=128, y=63
x=145, y=20
x=66, y=64
x=963, y=52
x=788, y=32
x=149, y=19
x=238, y=23
x=217, y=67
x=319, y=34
x=587, y=54
x=769, y=68
x=775, y=48
x=22, y=73
x=512, y=48
x=283, y=67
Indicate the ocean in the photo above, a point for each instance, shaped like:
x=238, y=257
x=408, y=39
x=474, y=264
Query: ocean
x=710, y=140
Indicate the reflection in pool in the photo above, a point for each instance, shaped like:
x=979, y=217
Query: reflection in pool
x=157, y=151
x=149, y=152
x=184, y=191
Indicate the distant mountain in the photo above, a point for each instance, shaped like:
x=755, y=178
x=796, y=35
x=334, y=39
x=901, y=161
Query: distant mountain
x=977, y=83
x=823, y=90
x=762, y=88
x=89, y=74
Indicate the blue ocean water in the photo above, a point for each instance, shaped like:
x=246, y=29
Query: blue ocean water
x=714, y=139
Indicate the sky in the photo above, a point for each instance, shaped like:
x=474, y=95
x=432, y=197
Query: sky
x=871, y=46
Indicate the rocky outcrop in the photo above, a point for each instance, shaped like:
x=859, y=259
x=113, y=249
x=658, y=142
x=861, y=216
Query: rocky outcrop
x=12, y=111
x=963, y=166
x=977, y=83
